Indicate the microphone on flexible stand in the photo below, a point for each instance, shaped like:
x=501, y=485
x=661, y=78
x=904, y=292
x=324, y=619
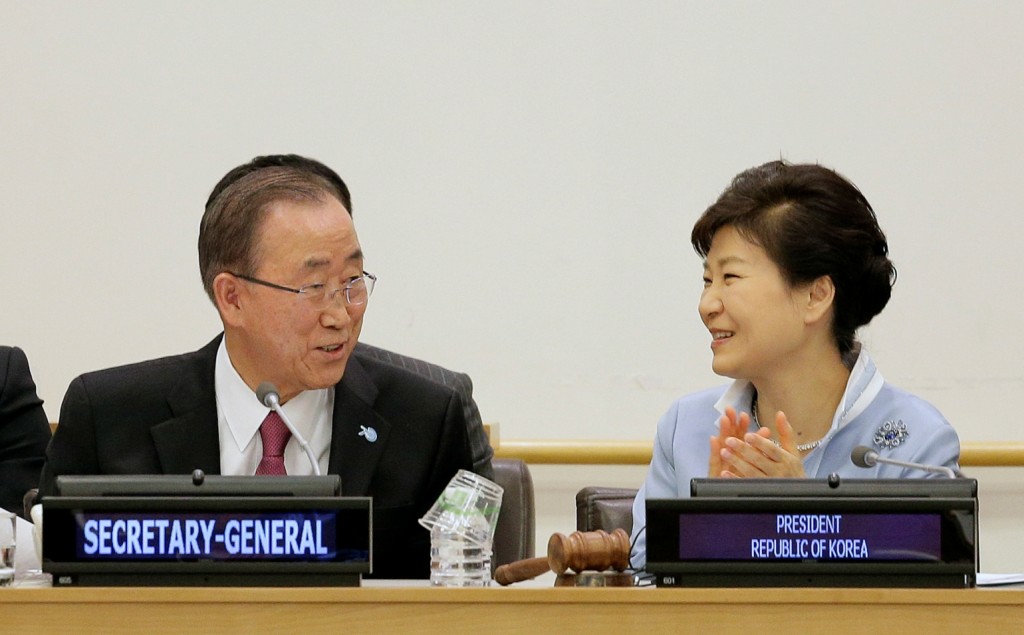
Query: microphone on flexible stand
x=863, y=456
x=269, y=397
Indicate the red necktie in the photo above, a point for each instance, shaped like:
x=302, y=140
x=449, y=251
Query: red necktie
x=275, y=435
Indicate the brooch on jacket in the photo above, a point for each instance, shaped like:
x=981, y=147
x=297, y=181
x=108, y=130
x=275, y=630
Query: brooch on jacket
x=891, y=434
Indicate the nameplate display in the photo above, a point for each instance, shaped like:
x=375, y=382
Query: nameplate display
x=812, y=541
x=211, y=540
x=835, y=537
x=305, y=536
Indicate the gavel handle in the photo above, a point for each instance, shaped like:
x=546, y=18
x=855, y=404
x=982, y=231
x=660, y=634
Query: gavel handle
x=521, y=570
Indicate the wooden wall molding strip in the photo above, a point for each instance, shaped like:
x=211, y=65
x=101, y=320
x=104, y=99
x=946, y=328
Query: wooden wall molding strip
x=563, y=452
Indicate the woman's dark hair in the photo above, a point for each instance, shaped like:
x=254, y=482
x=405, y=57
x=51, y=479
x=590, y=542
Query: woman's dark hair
x=811, y=222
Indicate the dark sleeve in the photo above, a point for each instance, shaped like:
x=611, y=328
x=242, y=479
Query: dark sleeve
x=401, y=545
x=479, y=444
x=453, y=452
x=24, y=430
x=73, y=448
x=451, y=455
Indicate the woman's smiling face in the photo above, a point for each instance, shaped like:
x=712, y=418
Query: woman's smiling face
x=751, y=311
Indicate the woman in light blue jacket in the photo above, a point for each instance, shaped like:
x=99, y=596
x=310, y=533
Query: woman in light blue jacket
x=794, y=264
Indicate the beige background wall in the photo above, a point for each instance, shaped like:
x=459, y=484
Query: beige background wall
x=525, y=176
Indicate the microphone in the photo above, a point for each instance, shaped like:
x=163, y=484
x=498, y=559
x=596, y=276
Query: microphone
x=269, y=397
x=863, y=456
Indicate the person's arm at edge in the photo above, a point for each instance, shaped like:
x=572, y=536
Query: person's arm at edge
x=24, y=430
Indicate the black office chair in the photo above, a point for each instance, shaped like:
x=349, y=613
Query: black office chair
x=514, y=534
x=607, y=508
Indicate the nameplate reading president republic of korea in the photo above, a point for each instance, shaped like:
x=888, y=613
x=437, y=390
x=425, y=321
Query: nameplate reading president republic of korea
x=813, y=541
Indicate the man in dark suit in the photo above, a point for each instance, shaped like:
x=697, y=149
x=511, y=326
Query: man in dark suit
x=479, y=444
x=24, y=430
x=280, y=259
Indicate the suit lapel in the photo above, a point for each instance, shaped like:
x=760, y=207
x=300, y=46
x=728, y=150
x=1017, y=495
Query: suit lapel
x=354, y=455
x=190, y=439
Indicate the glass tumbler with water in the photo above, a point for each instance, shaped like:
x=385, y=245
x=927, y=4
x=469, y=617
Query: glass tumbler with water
x=461, y=525
x=8, y=529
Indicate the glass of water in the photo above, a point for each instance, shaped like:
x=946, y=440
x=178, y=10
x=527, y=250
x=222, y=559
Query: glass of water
x=8, y=532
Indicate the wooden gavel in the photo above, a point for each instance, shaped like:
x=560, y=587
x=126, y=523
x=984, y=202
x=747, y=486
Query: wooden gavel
x=579, y=551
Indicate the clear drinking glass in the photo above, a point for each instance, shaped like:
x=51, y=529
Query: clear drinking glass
x=8, y=535
x=461, y=524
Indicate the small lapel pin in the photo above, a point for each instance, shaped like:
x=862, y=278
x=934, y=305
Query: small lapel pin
x=369, y=433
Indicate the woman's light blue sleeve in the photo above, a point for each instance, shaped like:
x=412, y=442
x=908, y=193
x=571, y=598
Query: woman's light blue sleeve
x=940, y=447
x=660, y=483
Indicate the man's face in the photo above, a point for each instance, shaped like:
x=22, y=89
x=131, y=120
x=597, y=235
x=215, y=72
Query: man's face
x=282, y=337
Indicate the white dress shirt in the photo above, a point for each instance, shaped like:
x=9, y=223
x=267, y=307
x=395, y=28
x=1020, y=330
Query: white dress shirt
x=240, y=413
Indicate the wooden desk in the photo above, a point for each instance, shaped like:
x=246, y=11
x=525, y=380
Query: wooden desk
x=511, y=610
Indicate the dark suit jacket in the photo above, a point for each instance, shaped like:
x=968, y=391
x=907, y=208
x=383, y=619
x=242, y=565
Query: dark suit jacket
x=160, y=417
x=479, y=444
x=24, y=430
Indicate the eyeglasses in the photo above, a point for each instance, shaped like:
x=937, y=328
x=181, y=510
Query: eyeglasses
x=357, y=290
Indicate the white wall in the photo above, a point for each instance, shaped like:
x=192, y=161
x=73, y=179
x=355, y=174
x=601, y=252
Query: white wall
x=525, y=176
